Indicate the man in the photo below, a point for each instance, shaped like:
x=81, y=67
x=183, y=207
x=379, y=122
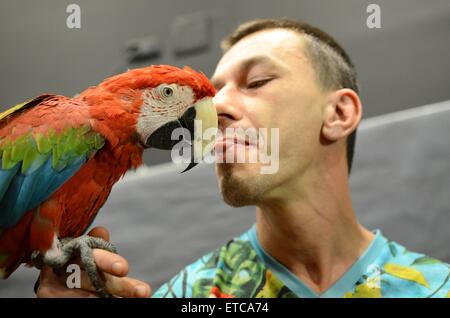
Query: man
x=306, y=241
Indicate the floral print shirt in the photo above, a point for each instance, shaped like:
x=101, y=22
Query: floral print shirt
x=243, y=269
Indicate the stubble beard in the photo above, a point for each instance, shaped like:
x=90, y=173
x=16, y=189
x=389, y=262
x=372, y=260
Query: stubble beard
x=240, y=188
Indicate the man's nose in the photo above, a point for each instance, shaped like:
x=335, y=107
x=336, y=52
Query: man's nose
x=227, y=105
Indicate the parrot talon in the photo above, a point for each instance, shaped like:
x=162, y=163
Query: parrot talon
x=67, y=248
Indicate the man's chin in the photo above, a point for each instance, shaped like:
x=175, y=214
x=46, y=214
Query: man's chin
x=237, y=188
x=235, y=199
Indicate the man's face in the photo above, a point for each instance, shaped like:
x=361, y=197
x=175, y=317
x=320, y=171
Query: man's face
x=265, y=81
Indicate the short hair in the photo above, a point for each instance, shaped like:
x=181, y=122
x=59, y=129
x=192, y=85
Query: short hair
x=332, y=65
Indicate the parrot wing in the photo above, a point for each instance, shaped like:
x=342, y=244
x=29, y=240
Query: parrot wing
x=23, y=106
x=43, y=143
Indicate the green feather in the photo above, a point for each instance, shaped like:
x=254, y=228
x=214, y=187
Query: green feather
x=7, y=163
x=18, y=148
x=90, y=138
x=28, y=158
x=69, y=144
x=65, y=147
x=51, y=136
x=43, y=143
x=74, y=142
x=98, y=141
x=33, y=160
x=57, y=163
x=81, y=148
x=83, y=129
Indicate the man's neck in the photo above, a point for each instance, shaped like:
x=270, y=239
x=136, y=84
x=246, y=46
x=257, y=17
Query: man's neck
x=315, y=235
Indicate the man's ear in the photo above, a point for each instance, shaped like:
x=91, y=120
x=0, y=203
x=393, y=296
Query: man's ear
x=342, y=114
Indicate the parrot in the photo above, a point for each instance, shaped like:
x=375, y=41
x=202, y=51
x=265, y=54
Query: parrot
x=61, y=156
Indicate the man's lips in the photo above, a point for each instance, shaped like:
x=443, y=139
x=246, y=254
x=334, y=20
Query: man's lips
x=225, y=143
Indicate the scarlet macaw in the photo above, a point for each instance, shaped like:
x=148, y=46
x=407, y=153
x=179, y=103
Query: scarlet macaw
x=61, y=156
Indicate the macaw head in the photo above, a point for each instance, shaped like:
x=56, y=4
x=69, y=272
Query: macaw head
x=162, y=99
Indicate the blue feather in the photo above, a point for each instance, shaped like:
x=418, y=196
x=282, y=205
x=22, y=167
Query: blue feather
x=30, y=185
x=25, y=192
x=51, y=180
x=5, y=178
x=8, y=216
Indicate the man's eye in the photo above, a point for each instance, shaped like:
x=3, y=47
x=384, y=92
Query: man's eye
x=258, y=83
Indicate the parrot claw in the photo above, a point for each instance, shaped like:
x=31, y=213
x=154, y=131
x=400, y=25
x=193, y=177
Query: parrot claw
x=70, y=247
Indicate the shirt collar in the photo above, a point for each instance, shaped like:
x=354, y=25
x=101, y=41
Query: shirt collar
x=340, y=287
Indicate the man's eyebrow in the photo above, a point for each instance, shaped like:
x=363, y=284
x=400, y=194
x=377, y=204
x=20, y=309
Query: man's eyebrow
x=258, y=59
x=246, y=64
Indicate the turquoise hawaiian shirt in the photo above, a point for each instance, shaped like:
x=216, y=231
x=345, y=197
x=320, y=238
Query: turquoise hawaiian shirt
x=242, y=268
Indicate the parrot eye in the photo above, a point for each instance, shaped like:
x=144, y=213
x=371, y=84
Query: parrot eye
x=167, y=91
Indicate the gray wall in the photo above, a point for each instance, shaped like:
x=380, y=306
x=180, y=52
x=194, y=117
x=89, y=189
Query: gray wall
x=402, y=65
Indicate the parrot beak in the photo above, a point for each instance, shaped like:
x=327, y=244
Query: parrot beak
x=200, y=120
